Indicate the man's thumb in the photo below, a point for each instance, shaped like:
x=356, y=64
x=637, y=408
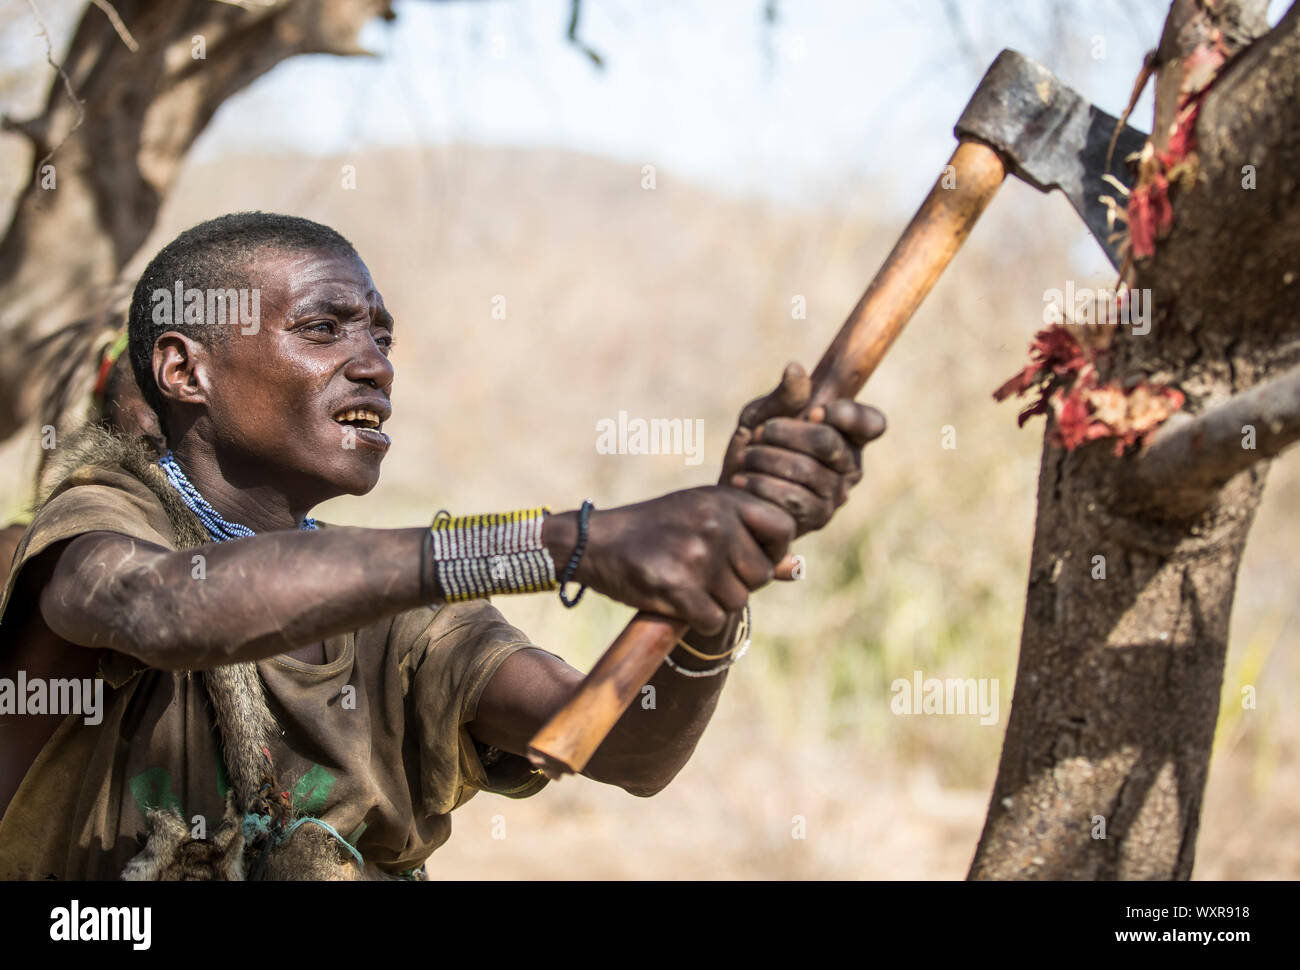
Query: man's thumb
x=789, y=399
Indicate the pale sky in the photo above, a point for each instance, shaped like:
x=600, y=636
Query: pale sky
x=833, y=96
x=843, y=101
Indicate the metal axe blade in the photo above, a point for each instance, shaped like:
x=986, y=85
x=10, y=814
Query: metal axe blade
x=1051, y=137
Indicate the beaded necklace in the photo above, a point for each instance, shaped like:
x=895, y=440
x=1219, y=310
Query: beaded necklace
x=218, y=528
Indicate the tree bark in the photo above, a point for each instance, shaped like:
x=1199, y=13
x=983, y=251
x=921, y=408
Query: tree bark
x=1118, y=682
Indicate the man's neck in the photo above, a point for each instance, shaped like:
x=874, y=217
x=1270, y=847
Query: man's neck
x=262, y=508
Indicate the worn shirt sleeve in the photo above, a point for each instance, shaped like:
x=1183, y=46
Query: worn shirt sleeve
x=454, y=651
x=91, y=499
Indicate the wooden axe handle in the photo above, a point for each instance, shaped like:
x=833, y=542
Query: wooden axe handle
x=567, y=742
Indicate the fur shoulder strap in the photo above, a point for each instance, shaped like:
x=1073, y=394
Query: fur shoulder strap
x=235, y=690
x=246, y=726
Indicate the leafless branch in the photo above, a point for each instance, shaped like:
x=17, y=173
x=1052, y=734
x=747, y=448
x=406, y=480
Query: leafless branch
x=1190, y=459
x=575, y=14
x=67, y=84
x=250, y=4
x=115, y=19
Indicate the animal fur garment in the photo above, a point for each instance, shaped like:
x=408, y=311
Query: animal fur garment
x=244, y=721
x=170, y=854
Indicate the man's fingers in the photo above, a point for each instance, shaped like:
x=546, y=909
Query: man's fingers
x=846, y=483
x=729, y=592
x=751, y=565
x=701, y=611
x=821, y=441
x=859, y=423
x=793, y=467
x=809, y=510
x=790, y=398
x=786, y=569
x=771, y=527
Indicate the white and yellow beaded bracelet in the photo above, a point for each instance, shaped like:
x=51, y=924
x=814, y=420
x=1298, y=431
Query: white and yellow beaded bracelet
x=475, y=556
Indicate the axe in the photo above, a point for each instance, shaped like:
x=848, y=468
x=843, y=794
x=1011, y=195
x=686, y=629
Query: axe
x=1022, y=121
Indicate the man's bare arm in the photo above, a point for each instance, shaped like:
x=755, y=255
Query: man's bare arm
x=693, y=554
x=647, y=747
x=250, y=599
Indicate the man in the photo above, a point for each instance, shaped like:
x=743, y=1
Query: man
x=355, y=685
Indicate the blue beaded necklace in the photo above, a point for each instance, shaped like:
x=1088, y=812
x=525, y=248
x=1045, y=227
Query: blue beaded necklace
x=218, y=528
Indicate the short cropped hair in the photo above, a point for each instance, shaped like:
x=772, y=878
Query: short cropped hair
x=213, y=257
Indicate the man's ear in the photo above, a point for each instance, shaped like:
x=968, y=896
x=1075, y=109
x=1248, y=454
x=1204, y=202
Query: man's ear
x=180, y=368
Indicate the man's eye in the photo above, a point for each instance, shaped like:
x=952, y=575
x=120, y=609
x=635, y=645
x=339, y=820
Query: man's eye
x=320, y=326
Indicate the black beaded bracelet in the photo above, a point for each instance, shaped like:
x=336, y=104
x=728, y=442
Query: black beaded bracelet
x=583, y=516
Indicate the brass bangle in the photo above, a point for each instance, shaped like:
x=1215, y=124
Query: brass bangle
x=740, y=636
x=727, y=664
x=705, y=656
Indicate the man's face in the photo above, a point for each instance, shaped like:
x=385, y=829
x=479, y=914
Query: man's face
x=303, y=397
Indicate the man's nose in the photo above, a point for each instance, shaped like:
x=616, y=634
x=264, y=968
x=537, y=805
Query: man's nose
x=369, y=365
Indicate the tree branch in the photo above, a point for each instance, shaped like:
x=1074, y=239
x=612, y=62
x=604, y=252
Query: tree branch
x=116, y=20
x=1189, y=460
x=31, y=127
x=575, y=14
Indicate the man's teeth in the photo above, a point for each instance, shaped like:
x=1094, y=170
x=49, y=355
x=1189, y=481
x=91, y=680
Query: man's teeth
x=361, y=416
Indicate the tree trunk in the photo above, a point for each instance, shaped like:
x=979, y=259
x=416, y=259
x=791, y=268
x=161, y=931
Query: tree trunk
x=1119, y=678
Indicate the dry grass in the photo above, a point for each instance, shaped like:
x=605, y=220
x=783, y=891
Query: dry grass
x=677, y=303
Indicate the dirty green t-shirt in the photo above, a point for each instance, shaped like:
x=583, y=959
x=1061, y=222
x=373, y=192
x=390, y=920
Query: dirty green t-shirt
x=374, y=740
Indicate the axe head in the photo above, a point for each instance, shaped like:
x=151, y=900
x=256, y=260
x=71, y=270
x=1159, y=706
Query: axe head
x=1051, y=137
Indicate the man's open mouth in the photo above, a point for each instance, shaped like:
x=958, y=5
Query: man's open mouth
x=360, y=418
x=368, y=422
